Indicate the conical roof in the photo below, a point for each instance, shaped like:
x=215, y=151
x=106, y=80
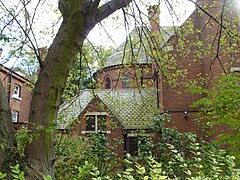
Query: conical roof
x=136, y=48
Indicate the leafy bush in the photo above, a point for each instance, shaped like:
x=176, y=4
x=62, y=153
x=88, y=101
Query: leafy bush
x=151, y=170
x=220, y=106
x=69, y=156
x=23, y=137
x=16, y=173
x=72, y=153
x=185, y=156
x=3, y=175
x=172, y=155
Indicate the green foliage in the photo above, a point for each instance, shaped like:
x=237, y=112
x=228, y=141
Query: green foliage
x=145, y=147
x=221, y=107
x=101, y=154
x=69, y=156
x=84, y=170
x=185, y=156
x=151, y=170
x=133, y=171
x=17, y=174
x=81, y=72
x=86, y=63
x=3, y=175
x=29, y=66
x=171, y=155
x=81, y=155
x=48, y=177
x=218, y=164
x=23, y=137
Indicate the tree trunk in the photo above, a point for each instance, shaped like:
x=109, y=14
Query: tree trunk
x=7, y=137
x=79, y=17
x=48, y=91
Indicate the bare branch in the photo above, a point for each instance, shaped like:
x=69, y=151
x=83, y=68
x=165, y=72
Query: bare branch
x=229, y=32
x=219, y=39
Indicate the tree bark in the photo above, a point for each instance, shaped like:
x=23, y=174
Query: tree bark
x=79, y=17
x=7, y=137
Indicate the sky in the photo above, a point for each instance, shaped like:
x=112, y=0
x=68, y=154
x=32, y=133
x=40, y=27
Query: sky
x=116, y=29
x=113, y=26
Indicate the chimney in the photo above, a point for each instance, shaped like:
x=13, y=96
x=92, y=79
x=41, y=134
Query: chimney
x=153, y=16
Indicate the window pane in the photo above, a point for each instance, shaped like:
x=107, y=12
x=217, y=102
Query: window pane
x=126, y=82
x=17, y=90
x=15, y=116
x=90, y=123
x=101, y=122
x=133, y=149
x=108, y=83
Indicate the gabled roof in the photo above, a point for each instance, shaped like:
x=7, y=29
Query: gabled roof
x=16, y=75
x=133, y=108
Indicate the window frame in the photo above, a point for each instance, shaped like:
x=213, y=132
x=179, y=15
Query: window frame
x=126, y=81
x=16, y=118
x=17, y=92
x=133, y=145
x=137, y=137
x=235, y=69
x=108, y=82
x=97, y=129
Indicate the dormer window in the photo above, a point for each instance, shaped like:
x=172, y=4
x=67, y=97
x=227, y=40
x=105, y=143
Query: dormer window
x=108, y=83
x=17, y=92
x=126, y=81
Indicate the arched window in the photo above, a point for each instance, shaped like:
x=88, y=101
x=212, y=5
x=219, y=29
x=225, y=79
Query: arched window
x=108, y=83
x=126, y=81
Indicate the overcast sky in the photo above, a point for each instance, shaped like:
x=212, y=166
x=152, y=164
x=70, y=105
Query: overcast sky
x=114, y=25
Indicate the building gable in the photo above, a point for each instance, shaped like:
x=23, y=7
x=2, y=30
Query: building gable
x=132, y=108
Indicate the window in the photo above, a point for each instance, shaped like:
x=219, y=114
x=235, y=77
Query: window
x=17, y=92
x=126, y=81
x=90, y=123
x=133, y=146
x=108, y=83
x=95, y=122
x=15, y=116
x=235, y=69
x=139, y=145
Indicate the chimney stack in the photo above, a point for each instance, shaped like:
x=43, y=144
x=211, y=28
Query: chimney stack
x=153, y=16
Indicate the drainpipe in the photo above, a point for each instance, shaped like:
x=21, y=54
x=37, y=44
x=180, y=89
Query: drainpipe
x=9, y=86
x=158, y=95
x=125, y=143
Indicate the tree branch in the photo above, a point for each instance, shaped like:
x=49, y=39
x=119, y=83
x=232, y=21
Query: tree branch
x=95, y=4
x=109, y=8
x=229, y=32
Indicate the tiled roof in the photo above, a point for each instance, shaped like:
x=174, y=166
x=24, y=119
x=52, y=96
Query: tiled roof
x=133, y=108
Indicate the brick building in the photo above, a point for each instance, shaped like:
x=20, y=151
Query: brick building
x=133, y=86
x=19, y=95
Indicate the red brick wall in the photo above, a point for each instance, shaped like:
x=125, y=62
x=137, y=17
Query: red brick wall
x=113, y=125
x=138, y=74
x=21, y=105
x=176, y=100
